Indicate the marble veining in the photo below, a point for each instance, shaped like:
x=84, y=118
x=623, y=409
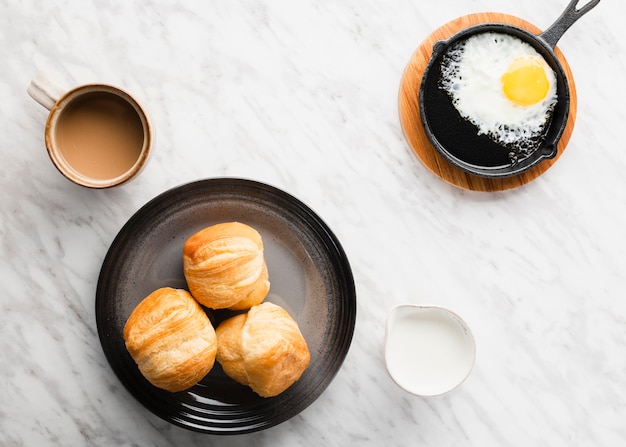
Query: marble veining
x=303, y=96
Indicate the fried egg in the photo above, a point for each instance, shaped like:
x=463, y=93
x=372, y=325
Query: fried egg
x=503, y=86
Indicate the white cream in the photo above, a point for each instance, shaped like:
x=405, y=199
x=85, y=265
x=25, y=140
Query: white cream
x=428, y=350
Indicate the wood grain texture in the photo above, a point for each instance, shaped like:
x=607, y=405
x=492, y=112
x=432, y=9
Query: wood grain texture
x=412, y=123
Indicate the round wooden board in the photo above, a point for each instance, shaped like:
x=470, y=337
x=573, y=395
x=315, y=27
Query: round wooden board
x=412, y=123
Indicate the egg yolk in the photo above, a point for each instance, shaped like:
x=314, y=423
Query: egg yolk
x=525, y=82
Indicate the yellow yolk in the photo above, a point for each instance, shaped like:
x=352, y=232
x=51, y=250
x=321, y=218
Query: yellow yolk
x=525, y=82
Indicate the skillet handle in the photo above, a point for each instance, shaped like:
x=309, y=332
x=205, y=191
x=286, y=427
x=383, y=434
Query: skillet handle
x=571, y=14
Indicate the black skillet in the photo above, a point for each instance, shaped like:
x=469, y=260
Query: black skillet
x=457, y=140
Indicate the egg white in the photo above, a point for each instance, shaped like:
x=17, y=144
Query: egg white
x=470, y=74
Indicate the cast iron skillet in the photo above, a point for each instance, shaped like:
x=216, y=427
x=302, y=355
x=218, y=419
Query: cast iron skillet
x=457, y=140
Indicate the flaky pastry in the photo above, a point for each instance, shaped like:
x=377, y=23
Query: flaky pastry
x=263, y=349
x=171, y=339
x=225, y=268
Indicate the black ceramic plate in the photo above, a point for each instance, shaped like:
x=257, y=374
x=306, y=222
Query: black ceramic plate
x=310, y=277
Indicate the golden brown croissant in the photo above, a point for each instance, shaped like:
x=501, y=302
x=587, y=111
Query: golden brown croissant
x=225, y=268
x=171, y=339
x=263, y=349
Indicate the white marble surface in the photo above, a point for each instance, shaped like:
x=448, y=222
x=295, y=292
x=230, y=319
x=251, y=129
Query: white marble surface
x=303, y=95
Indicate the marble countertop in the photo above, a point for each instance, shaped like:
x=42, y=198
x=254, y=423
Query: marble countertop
x=304, y=96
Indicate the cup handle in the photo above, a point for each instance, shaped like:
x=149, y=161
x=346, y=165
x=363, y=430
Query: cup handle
x=45, y=91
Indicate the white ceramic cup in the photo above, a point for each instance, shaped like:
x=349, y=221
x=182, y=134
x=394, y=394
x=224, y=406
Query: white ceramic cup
x=429, y=350
x=97, y=153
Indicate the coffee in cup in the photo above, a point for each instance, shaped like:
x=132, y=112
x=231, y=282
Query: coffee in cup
x=97, y=135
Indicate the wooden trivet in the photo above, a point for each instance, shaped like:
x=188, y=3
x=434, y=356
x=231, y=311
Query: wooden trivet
x=412, y=123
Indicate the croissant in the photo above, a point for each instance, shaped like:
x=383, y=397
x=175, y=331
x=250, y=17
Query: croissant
x=171, y=339
x=263, y=349
x=225, y=268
